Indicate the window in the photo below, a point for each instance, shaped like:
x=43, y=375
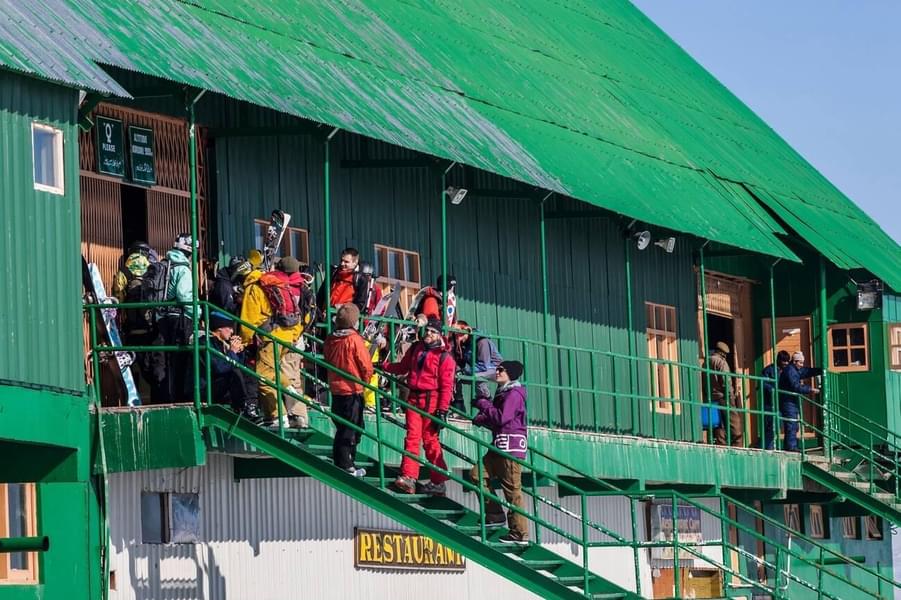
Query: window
x=398, y=267
x=792, y=515
x=662, y=344
x=819, y=524
x=295, y=242
x=170, y=518
x=894, y=346
x=47, y=148
x=850, y=529
x=873, y=527
x=848, y=348
x=18, y=518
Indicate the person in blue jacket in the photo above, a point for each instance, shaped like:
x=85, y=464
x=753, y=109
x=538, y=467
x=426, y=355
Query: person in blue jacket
x=229, y=384
x=790, y=386
x=770, y=376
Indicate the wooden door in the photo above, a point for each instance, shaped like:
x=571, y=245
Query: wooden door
x=792, y=335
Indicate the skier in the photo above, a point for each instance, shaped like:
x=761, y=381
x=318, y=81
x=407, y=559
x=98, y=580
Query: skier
x=790, y=388
x=132, y=265
x=352, y=281
x=505, y=416
x=345, y=350
x=228, y=286
x=277, y=302
x=429, y=369
x=769, y=374
x=487, y=357
x=229, y=384
x=174, y=325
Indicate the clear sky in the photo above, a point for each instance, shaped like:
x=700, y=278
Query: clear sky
x=825, y=74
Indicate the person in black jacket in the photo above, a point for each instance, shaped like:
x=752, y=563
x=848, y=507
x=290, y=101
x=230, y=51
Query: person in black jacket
x=770, y=376
x=227, y=289
x=790, y=387
x=229, y=384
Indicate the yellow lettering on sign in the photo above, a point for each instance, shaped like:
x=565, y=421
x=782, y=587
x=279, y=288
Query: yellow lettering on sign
x=387, y=548
x=428, y=550
x=440, y=557
x=417, y=550
x=398, y=542
x=376, y=547
x=408, y=550
x=365, y=547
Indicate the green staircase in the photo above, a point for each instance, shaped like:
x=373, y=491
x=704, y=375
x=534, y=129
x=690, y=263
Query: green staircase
x=858, y=461
x=444, y=520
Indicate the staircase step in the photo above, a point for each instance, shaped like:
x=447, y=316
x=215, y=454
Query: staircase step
x=542, y=565
x=445, y=513
x=861, y=485
x=507, y=548
x=573, y=580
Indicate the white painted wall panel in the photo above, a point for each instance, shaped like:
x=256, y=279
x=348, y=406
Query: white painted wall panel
x=284, y=539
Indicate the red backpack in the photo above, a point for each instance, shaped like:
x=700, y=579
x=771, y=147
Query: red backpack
x=288, y=296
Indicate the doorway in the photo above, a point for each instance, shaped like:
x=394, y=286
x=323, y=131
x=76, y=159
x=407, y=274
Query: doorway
x=721, y=329
x=793, y=335
x=134, y=215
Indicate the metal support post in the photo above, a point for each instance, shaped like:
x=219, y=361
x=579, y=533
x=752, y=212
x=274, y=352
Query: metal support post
x=706, y=349
x=443, y=195
x=545, y=304
x=327, y=225
x=633, y=393
x=775, y=399
x=824, y=364
x=195, y=271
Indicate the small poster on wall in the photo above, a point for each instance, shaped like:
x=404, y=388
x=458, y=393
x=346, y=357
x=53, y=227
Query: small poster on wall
x=143, y=169
x=110, y=153
x=687, y=523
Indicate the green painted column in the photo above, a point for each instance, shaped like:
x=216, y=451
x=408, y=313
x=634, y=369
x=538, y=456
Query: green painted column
x=195, y=271
x=545, y=303
x=630, y=334
x=327, y=226
x=824, y=360
x=705, y=341
x=775, y=404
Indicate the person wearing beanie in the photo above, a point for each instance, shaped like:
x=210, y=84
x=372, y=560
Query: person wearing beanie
x=791, y=387
x=472, y=350
x=720, y=383
x=770, y=376
x=505, y=416
x=227, y=286
x=429, y=369
x=229, y=385
x=345, y=350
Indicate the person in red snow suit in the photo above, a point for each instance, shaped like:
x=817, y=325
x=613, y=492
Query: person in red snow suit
x=429, y=369
x=432, y=303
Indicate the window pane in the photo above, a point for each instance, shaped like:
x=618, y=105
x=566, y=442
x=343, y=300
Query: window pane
x=839, y=337
x=896, y=335
x=151, y=518
x=18, y=521
x=858, y=357
x=896, y=357
x=45, y=167
x=408, y=267
x=185, y=518
x=392, y=264
x=857, y=337
x=840, y=358
x=650, y=315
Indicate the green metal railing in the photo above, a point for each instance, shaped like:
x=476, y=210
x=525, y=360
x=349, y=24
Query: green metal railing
x=545, y=513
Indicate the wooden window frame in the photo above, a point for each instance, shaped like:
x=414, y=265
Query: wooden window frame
x=873, y=523
x=818, y=521
x=58, y=157
x=409, y=287
x=8, y=575
x=847, y=327
x=286, y=248
x=893, y=348
x=659, y=374
x=850, y=528
x=793, y=510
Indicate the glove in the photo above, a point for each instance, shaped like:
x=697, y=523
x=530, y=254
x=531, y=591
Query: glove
x=441, y=419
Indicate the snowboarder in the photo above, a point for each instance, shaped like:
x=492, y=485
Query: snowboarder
x=345, y=350
x=505, y=416
x=429, y=369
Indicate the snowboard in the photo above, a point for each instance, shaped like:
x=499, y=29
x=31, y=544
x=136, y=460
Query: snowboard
x=386, y=306
x=278, y=224
x=124, y=360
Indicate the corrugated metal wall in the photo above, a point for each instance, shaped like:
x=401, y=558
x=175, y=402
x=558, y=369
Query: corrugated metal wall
x=891, y=312
x=101, y=225
x=293, y=538
x=493, y=250
x=40, y=293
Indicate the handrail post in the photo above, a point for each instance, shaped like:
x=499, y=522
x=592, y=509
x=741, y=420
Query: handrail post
x=774, y=401
x=443, y=195
x=276, y=359
x=636, y=560
x=209, y=367
x=95, y=356
x=535, y=504
x=595, y=396
x=824, y=360
x=195, y=271
x=677, y=576
x=378, y=433
x=631, y=338
x=482, y=487
x=327, y=224
x=585, y=541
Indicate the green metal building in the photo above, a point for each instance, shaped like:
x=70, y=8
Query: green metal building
x=575, y=128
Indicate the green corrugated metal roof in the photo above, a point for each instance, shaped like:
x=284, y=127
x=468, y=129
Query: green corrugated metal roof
x=29, y=46
x=588, y=99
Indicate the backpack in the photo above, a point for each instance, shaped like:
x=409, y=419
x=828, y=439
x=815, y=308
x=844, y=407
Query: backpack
x=153, y=288
x=142, y=275
x=289, y=298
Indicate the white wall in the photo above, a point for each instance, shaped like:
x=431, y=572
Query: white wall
x=293, y=538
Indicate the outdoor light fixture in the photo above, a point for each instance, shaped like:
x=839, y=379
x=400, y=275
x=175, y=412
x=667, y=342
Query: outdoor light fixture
x=668, y=244
x=869, y=295
x=456, y=195
x=642, y=239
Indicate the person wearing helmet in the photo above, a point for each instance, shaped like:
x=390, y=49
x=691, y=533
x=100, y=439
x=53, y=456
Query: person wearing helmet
x=133, y=264
x=174, y=325
x=228, y=286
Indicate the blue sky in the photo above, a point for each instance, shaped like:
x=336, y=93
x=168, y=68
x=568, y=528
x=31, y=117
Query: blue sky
x=825, y=74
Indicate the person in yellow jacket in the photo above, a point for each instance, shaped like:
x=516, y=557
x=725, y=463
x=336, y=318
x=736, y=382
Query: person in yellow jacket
x=257, y=310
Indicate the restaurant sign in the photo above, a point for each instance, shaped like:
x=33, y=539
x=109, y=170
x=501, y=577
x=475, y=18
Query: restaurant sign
x=391, y=550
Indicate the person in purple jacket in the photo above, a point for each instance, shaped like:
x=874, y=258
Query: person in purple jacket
x=505, y=416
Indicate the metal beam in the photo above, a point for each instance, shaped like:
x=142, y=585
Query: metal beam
x=387, y=163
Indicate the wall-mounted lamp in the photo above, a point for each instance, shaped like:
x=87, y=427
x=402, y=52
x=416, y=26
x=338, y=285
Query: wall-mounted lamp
x=668, y=244
x=642, y=239
x=456, y=195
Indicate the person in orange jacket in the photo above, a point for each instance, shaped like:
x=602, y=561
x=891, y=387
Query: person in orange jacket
x=429, y=369
x=345, y=350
